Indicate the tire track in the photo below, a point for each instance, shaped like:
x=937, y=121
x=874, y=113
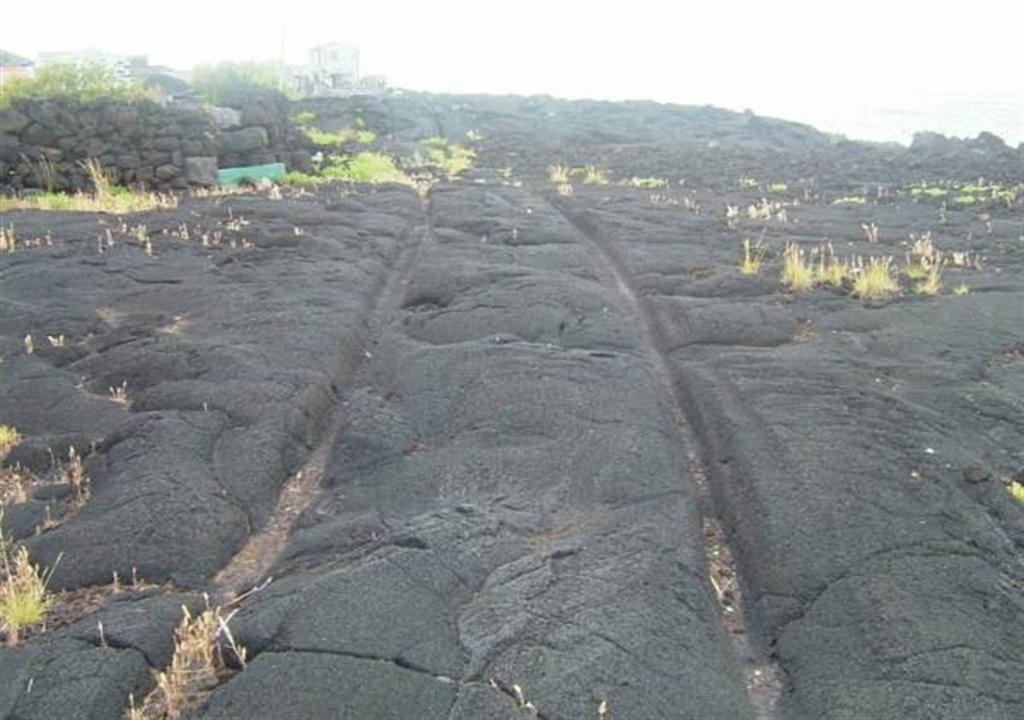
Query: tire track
x=763, y=676
x=263, y=549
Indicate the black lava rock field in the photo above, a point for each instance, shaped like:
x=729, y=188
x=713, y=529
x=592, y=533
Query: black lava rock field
x=518, y=447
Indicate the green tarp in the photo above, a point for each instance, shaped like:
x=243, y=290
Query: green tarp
x=235, y=175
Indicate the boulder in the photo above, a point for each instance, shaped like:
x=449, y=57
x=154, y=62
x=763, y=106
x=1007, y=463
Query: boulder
x=167, y=171
x=201, y=170
x=237, y=141
x=12, y=121
x=224, y=118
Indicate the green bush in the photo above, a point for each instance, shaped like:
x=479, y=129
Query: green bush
x=85, y=82
x=217, y=82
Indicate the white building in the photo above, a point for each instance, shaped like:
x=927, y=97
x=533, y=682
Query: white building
x=332, y=70
x=335, y=59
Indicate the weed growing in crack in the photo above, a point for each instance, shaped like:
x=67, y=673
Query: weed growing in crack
x=205, y=652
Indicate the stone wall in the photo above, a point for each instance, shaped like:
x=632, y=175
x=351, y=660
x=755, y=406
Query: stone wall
x=256, y=127
x=45, y=143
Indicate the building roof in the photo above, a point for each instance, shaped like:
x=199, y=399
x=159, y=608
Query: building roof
x=9, y=59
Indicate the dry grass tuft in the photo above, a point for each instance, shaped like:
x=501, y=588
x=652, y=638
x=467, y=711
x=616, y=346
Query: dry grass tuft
x=829, y=270
x=752, y=257
x=797, y=274
x=120, y=395
x=870, y=231
x=10, y=438
x=558, y=174
x=932, y=283
x=593, y=175
x=204, y=652
x=875, y=279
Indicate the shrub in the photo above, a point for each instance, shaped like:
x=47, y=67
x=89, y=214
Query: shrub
x=83, y=82
x=367, y=167
x=217, y=82
x=450, y=158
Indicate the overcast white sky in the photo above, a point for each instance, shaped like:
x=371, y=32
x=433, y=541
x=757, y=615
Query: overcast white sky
x=870, y=69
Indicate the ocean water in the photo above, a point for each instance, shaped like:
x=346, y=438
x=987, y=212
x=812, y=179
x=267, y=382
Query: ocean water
x=897, y=121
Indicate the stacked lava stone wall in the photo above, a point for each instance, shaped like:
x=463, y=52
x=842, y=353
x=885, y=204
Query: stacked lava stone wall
x=44, y=144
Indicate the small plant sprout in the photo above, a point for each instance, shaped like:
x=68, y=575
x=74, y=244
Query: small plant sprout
x=74, y=474
x=564, y=190
x=24, y=599
x=752, y=257
x=961, y=289
x=875, y=279
x=870, y=231
x=30, y=346
x=797, y=275
x=119, y=394
x=932, y=283
x=10, y=438
x=56, y=340
x=602, y=708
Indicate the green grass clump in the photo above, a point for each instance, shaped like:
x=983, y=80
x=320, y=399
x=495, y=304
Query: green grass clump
x=83, y=82
x=850, y=200
x=778, y=188
x=301, y=179
x=10, y=438
x=748, y=182
x=965, y=200
x=366, y=167
x=450, y=158
x=929, y=192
